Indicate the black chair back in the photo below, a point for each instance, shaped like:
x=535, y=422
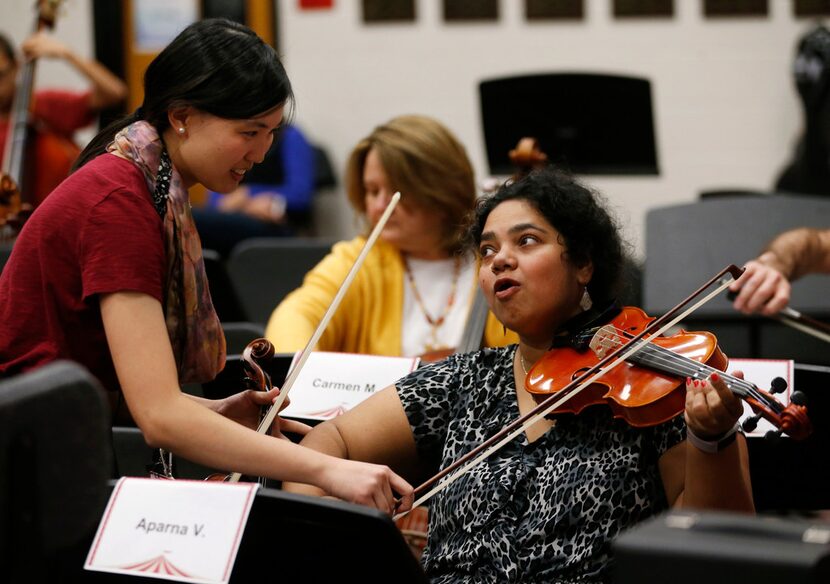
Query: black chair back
x=265, y=270
x=55, y=460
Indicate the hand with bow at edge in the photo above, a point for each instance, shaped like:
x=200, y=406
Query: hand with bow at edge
x=761, y=288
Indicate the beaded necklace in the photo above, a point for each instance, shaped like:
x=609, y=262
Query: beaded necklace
x=434, y=322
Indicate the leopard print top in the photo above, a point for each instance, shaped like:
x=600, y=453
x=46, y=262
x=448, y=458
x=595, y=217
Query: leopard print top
x=540, y=512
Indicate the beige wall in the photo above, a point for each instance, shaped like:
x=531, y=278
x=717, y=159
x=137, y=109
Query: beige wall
x=726, y=111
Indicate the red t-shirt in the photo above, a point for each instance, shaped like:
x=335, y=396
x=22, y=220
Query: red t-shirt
x=98, y=232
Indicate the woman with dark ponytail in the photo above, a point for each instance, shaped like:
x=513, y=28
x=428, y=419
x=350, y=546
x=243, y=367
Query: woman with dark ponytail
x=108, y=271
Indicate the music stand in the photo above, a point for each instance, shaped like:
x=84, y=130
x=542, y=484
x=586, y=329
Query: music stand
x=322, y=540
x=587, y=122
x=295, y=538
x=795, y=475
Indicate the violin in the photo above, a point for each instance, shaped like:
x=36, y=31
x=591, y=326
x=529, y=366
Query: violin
x=651, y=390
x=255, y=356
x=23, y=185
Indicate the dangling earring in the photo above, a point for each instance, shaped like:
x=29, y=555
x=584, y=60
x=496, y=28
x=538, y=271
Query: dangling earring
x=585, y=303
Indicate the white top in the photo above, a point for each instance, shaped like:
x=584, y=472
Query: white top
x=434, y=279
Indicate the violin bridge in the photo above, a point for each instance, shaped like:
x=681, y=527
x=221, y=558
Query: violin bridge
x=606, y=340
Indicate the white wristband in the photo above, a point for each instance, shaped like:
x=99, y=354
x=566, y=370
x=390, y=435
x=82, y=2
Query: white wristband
x=712, y=446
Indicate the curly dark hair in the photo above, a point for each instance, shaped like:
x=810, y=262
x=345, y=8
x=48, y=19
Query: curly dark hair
x=589, y=233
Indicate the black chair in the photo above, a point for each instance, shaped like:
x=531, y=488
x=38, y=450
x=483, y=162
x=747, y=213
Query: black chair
x=239, y=334
x=222, y=293
x=732, y=192
x=265, y=270
x=55, y=460
x=687, y=244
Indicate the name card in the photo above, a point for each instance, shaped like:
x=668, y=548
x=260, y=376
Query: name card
x=761, y=372
x=333, y=383
x=187, y=531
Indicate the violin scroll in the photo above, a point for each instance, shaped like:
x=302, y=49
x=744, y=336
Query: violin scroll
x=256, y=353
x=526, y=156
x=791, y=420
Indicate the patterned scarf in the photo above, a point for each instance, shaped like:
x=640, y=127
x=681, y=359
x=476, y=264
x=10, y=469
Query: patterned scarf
x=194, y=329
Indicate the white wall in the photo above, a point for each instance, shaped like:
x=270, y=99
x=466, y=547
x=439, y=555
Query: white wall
x=726, y=111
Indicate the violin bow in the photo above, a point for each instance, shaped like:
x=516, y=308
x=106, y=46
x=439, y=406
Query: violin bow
x=464, y=464
x=805, y=324
x=795, y=319
x=268, y=419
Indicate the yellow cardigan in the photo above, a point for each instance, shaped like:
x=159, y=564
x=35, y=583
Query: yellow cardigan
x=368, y=320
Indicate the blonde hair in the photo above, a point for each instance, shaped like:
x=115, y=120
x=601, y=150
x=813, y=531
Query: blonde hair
x=425, y=162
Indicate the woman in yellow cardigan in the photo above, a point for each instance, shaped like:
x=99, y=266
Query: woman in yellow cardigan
x=413, y=294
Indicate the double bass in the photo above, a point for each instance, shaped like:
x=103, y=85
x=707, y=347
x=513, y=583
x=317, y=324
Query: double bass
x=35, y=161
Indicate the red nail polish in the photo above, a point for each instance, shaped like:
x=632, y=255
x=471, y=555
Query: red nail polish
x=714, y=377
x=688, y=381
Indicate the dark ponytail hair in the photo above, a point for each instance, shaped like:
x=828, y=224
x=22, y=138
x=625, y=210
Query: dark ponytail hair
x=216, y=66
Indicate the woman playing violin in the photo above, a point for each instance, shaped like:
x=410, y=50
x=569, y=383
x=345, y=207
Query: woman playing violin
x=108, y=270
x=546, y=506
x=414, y=292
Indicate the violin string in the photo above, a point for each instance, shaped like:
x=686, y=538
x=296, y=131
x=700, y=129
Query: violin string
x=684, y=366
x=661, y=357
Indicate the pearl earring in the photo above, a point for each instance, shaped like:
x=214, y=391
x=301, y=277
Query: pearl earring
x=181, y=130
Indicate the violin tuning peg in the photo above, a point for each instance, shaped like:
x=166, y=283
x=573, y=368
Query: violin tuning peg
x=778, y=385
x=773, y=436
x=750, y=423
x=798, y=398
